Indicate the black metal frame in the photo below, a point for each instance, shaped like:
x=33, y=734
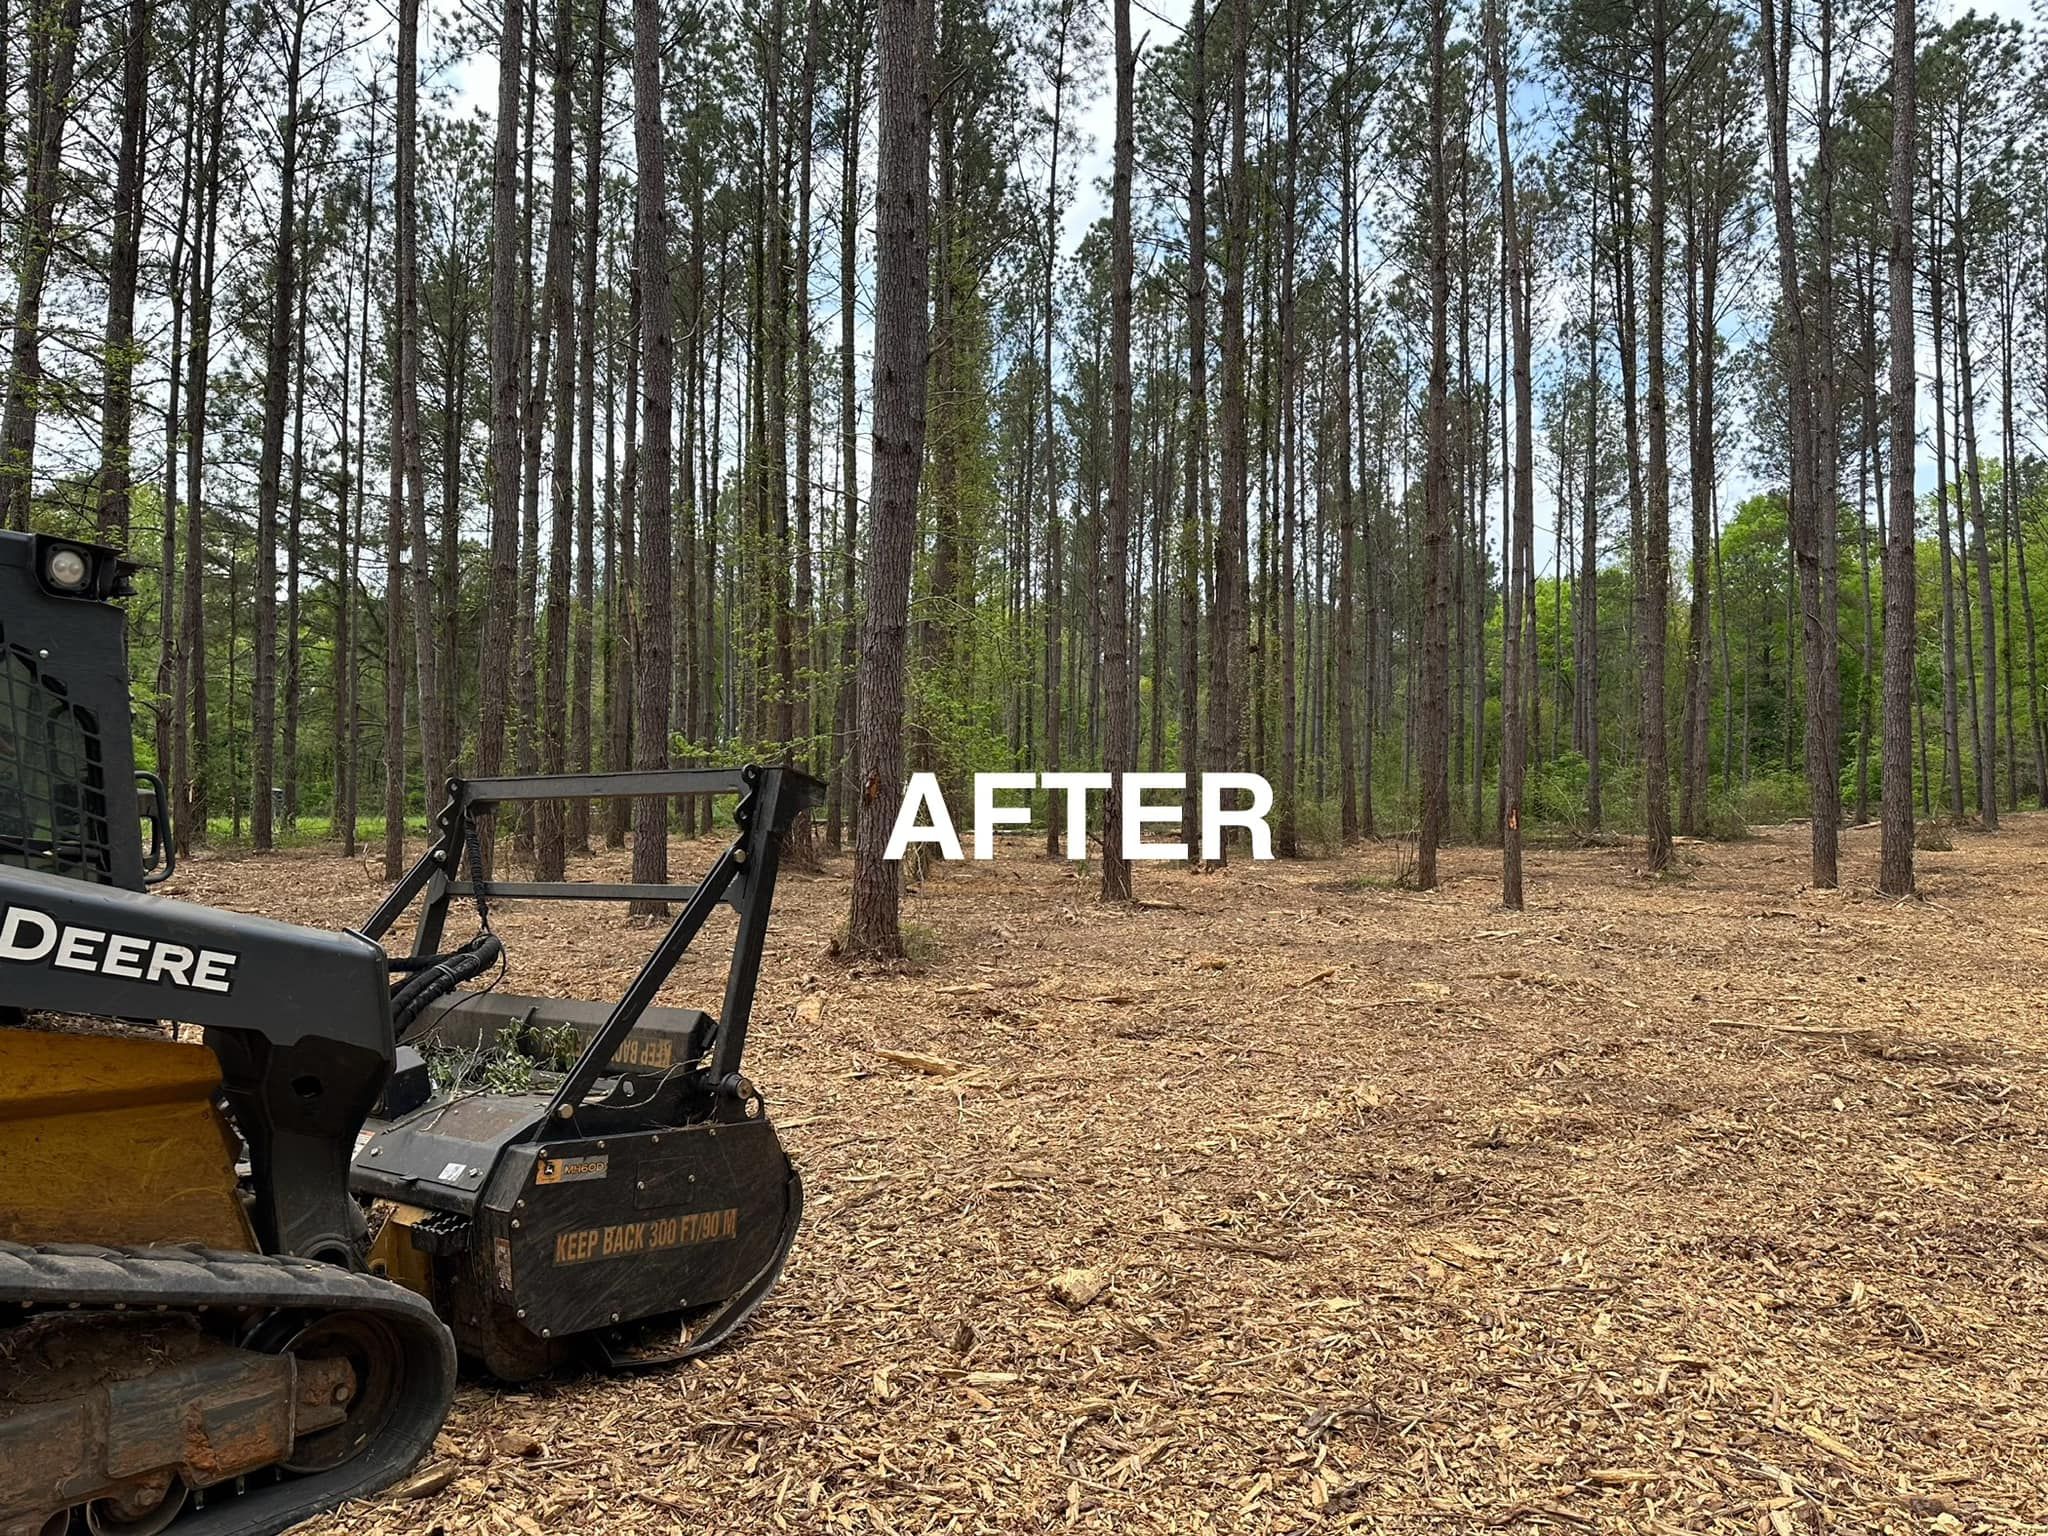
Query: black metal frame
x=743, y=875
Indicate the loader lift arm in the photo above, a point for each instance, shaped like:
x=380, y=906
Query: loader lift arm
x=744, y=874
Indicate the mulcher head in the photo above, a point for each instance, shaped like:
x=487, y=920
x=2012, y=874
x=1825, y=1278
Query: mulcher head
x=640, y=1204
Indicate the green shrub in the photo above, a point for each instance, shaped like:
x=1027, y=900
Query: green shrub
x=1554, y=794
x=1319, y=824
x=1725, y=822
x=1771, y=798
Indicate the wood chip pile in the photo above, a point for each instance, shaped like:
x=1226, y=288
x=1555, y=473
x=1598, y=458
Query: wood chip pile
x=1292, y=1202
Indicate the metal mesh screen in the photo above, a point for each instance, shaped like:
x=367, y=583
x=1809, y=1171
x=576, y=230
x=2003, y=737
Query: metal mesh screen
x=53, y=786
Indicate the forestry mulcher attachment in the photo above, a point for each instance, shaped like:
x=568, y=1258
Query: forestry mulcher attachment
x=235, y=1276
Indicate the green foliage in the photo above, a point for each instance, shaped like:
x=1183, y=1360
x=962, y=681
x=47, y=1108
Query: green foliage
x=511, y=1063
x=1554, y=794
x=1770, y=798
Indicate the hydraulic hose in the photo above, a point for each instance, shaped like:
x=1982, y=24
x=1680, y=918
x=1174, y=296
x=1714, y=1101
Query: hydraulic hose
x=443, y=976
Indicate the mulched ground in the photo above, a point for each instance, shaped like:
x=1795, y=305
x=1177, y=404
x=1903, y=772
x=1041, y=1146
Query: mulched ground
x=1705, y=1204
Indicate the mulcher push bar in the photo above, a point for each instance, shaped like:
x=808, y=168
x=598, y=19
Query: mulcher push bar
x=743, y=875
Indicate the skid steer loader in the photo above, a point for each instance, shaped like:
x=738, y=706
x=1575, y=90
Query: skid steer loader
x=237, y=1271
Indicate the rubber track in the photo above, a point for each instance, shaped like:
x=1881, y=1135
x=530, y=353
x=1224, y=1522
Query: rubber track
x=75, y=1275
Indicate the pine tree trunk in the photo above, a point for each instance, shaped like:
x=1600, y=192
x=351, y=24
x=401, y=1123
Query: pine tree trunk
x=657, y=423
x=277, y=364
x=1966, y=384
x=170, y=722
x=800, y=845
x=1194, y=513
x=849, y=444
x=1055, y=570
x=1812, y=421
x=1347, y=500
x=2018, y=535
x=53, y=63
x=1433, y=708
x=435, y=754
x=1951, y=733
x=359, y=481
x=1702, y=339
x=507, y=233
x=620, y=744
x=683, y=696
x=288, y=746
x=454, y=425
x=1288, y=838
x=1654, y=584
x=395, y=797
x=117, y=405
x=394, y=661
x=580, y=717
x=1586, y=601
x=903, y=31
x=535, y=363
x=1517, y=554
x=1229, y=663
x=192, y=706
x=1120, y=747
x=550, y=846
x=341, y=742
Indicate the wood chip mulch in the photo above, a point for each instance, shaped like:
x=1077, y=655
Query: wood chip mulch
x=1292, y=1201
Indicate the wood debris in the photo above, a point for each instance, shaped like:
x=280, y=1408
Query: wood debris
x=1075, y=1288
x=1500, y=1235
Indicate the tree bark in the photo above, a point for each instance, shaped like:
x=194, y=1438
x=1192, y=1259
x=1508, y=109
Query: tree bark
x=1586, y=600
x=903, y=30
x=53, y=64
x=1347, y=497
x=117, y=402
x=657, y=424
x=536, y=339
x=1966, y=386
x=1055, y=554
x=435, y=753
x=802, y=640
x=494, y=670
x=1194, y=514
x=1951, y=732
x=1120, y=747
x=294, y=637
x=1808, y=310
x=1654, y=583
x=170, y=722
x=270, y=463
x=837, y=808
x=1433, y=710
x=343, y=722
x=1518, y=553
x=192, y=706
x=577, y=832
x=550, y=839
x=1229, y=662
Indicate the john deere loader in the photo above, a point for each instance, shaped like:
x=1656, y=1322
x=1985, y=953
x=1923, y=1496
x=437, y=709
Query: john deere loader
x=244, y=1236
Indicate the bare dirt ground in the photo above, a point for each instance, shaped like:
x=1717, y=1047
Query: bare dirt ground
x=1705, y=1204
